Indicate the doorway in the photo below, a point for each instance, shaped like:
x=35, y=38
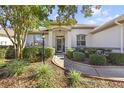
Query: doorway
x=60, y=44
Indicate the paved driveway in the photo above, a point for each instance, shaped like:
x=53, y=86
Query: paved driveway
x=103, y=71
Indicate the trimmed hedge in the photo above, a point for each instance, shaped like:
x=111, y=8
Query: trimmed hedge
x=69, y=53
x=34, y=54
x=117, y=58
x=98, y=59
x=89, y=51
x=78, y=56
x=31, y=54
x=49, y=52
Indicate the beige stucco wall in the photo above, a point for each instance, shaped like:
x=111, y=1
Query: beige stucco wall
x=5, y=40
x=110, y=37
x=75, y=32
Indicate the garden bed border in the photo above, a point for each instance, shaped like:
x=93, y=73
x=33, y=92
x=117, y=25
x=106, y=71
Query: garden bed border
x=89, y=76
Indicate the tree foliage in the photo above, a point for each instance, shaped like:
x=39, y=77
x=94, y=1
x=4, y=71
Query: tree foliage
x=24, y=19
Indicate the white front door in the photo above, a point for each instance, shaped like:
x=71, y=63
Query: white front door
x=60, y=44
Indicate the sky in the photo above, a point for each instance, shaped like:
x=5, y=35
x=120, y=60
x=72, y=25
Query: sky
x=106, y=13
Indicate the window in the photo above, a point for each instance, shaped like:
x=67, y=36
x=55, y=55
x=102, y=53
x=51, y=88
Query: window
x=81, y=40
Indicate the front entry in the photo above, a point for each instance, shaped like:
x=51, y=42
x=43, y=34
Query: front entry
x=60, y=44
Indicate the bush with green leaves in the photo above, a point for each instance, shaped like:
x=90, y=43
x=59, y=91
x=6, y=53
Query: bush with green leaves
x=45, y=73
x=117, y=58
x=2, y=53
x=74, y=78
x=48, y=52
x=2, y=57
x=80, y=50
x=78, y=56
x=7, y=52
x=89, y=51
x=34, y=54
x=16, y=68
x=10, y=52
x=69, y=53
x=97, y=59
x=2, y=63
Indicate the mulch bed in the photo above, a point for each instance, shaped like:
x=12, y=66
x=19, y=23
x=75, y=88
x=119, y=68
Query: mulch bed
x=61, y=81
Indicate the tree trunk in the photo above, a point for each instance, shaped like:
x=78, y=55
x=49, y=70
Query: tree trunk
x=15, y=51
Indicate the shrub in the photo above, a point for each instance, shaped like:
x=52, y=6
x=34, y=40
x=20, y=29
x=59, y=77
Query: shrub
x=78, y=56
x=2, y=53
x=7, y=52
x=45, y=74
x=16, y=68
x=44, y=71
x=89, y=51
x=74, y=78
x=80, y=50
x=49, y=52
x=117, y=58
x=34, y=54
x=10, y=52
x=69, y=53
x=98, y=59
x=2, y=63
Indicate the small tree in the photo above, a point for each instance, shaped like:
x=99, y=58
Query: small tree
x=22, y=19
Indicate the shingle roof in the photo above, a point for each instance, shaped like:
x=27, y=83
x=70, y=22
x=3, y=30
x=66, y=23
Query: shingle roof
x=87, y=26
x=3, y=33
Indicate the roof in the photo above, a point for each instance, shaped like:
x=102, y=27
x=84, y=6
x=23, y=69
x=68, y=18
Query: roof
x=84, y=26
x=3, y=33
x=108, y=24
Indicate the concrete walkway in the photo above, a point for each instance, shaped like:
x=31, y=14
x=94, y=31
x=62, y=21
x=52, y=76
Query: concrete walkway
x=101, y=71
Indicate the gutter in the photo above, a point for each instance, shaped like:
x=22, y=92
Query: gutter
x=122, y=41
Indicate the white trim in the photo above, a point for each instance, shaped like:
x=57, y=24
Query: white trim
x=122, y=45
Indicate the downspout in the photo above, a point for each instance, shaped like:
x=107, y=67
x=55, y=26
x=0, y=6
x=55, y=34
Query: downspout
x=122, y=45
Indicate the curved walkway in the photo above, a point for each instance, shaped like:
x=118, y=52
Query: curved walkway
x=115, y=72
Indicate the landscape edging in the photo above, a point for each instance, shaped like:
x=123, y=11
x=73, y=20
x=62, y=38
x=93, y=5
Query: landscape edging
x=94, y=65
x=89, y=76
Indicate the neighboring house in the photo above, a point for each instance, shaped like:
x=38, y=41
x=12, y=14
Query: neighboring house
x=109, y=35
x=4, y=40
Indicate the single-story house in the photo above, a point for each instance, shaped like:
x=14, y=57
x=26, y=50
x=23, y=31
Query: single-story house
x=109, y=35
x=4, y=40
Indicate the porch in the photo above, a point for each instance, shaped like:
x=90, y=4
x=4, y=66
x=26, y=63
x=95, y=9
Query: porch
x=59, y=38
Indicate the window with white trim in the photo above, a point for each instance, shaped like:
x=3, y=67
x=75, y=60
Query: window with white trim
x=81, y=40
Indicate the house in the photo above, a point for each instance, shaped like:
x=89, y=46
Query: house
x=109, y=35
x=4, y=40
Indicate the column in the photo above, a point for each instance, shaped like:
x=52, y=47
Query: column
x=69, y=39
x=50, y=39
x=122, y=41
